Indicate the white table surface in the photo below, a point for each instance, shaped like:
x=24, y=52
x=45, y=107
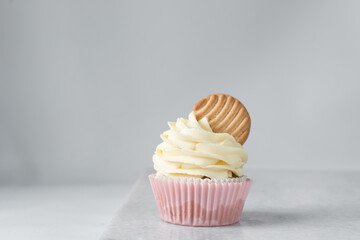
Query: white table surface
x=58, y=212
x=281, y=205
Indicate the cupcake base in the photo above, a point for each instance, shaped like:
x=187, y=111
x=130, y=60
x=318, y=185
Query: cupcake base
x=197, y=202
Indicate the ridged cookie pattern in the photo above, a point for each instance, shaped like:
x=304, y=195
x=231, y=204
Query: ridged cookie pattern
x=225, y=114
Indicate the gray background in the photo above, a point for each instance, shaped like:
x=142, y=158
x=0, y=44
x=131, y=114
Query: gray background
x=86, y=87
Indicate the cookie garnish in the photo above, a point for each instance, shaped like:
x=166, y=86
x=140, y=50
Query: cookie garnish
x=225, y=114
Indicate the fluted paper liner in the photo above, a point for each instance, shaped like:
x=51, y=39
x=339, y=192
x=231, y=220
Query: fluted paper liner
x=197, y=202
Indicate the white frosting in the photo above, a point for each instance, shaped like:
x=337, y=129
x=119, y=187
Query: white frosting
x=191, y=149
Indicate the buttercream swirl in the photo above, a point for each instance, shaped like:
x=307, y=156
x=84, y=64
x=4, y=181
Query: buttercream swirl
x=191, y=149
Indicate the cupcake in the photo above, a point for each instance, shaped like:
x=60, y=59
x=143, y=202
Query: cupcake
x=199, y=165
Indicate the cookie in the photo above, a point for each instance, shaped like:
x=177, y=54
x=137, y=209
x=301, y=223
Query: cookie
x=225, y=114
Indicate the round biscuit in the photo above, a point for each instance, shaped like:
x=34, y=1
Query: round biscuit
x=225, y=114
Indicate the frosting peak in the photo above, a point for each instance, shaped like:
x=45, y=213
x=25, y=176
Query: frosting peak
x=191, y=149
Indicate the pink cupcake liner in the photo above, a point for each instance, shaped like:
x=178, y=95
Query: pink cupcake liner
x=196, y=202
